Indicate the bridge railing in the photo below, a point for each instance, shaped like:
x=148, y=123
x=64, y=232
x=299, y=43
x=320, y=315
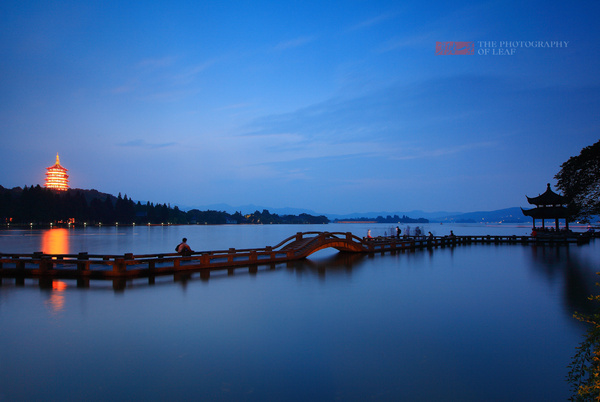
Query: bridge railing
x=121, y=264
x=84, y=264
x=130, y=264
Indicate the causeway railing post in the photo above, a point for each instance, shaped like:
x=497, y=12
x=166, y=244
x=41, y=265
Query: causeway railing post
x=47, y=262
x=19, y=264
x=44, y=261
x=205, y=259
x=83, y=263
x=37, y=255
x=119, y=265
x=269, y=250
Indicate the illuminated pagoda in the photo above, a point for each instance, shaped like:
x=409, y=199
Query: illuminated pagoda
x=57, y=177
x=548, y=206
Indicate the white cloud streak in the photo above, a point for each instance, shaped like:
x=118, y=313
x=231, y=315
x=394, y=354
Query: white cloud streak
x=301, y=41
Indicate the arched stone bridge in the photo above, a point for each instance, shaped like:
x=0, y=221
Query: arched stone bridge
x=307, y=243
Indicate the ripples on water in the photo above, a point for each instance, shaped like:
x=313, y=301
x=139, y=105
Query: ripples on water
x=467, y=323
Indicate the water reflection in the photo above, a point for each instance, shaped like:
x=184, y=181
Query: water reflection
x=354, y=326
x=56, y=301
x=559, y=264
x=340, y=264
x=55, y=241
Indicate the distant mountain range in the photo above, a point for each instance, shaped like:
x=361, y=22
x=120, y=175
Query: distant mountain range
x=507, y=215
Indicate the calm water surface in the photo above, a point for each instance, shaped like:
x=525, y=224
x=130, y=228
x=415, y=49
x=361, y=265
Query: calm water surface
x=469, y=323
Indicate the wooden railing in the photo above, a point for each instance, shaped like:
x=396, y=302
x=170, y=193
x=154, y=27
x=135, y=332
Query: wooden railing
x=298, y=246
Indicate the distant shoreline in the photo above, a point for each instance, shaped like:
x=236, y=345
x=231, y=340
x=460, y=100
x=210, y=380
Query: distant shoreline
x=351, y=221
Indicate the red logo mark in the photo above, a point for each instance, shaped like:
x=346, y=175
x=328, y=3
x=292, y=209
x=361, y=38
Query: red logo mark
x=455, y=48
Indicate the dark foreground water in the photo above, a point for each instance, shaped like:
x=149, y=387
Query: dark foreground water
x=471, y=323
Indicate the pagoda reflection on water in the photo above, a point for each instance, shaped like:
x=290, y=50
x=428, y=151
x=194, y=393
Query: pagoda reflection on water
x=57, y=177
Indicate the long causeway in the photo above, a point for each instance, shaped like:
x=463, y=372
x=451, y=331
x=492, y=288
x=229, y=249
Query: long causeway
x=84, y=266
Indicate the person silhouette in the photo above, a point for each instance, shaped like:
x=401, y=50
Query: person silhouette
x=183, y=248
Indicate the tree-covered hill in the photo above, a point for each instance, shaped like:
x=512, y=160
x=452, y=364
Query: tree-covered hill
x=38, y=205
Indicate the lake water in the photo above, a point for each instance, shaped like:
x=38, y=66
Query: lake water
x=470, y=323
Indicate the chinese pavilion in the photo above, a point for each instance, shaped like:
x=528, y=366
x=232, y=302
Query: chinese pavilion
x=56, y=177
x=548, y=206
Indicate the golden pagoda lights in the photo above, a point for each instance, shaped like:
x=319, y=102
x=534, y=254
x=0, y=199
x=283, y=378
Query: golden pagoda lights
x=56, y=177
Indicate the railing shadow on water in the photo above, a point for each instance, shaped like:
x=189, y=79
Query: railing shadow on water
x=334, y=264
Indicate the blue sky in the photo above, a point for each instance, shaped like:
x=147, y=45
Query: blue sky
x=337, y=107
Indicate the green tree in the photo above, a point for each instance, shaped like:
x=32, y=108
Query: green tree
x=584, y=374
x=579, y=180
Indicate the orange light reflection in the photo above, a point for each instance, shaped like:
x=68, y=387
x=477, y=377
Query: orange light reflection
x=56, y=302
x=55, y=241
x=59, y=286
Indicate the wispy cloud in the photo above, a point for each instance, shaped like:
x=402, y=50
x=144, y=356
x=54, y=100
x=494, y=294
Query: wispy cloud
x=457, y=25
x=235, y=106
x=189, y=73
x=422, y=40
x=169, y=95
x=301, y=41
x=156, y=62
x=381, y=125
x=123, y=89
x=140, y=143
x=411, y=154
x=373, y=21
x=162, y=79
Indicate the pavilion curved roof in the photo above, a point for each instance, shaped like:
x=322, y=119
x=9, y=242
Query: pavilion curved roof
x=549, y=197
x=547, y=212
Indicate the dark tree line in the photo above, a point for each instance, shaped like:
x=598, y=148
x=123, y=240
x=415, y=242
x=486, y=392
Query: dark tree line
x=579, y=180
x=258, y=218
x=41, y=206
x=265, y=217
